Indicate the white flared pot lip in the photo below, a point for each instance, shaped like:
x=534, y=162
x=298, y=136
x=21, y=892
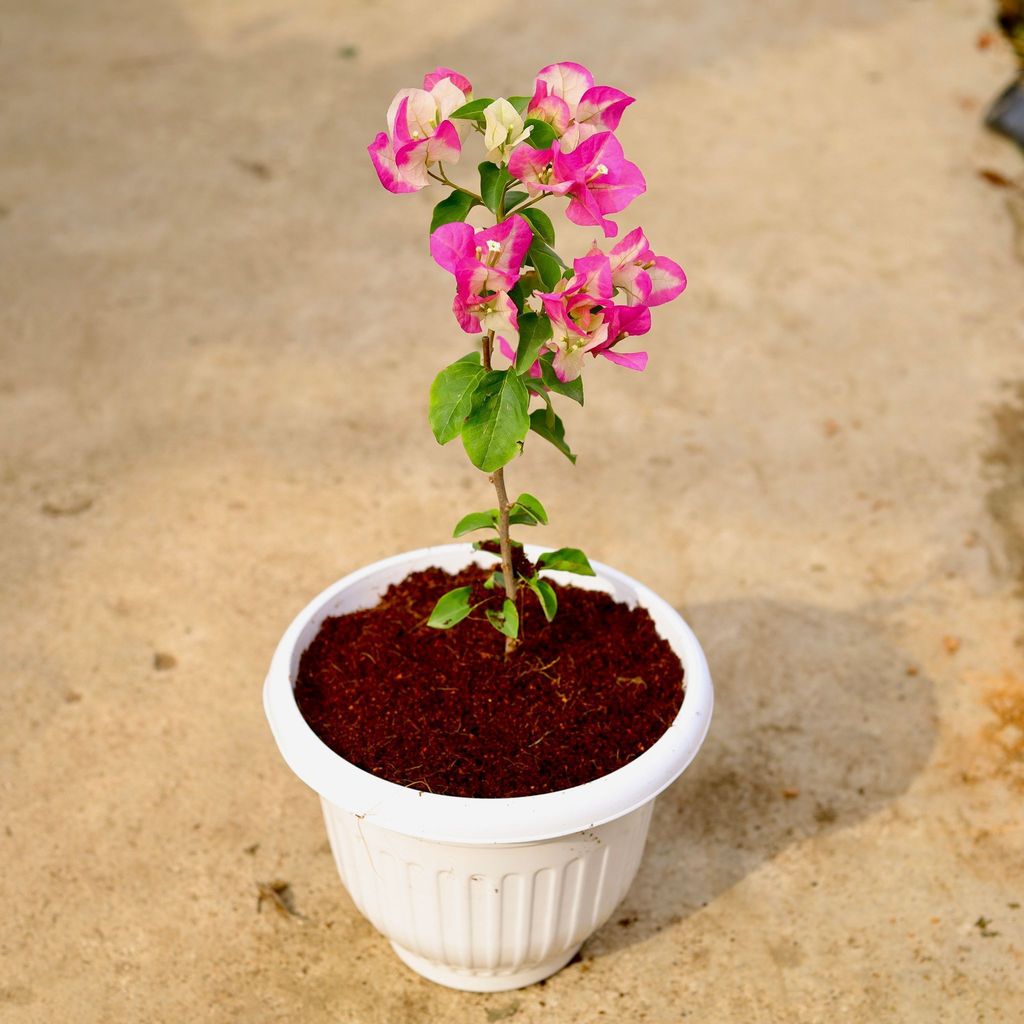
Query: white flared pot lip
x=470, y=820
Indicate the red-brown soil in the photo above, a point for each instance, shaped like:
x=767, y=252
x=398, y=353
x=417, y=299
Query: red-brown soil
x=444, y=711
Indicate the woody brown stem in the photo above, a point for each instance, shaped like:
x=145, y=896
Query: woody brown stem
x=497, y=478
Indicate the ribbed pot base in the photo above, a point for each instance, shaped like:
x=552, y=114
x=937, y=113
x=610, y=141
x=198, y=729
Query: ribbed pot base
x=469, y=980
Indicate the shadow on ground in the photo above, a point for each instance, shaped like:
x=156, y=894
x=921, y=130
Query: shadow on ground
x=817, y=725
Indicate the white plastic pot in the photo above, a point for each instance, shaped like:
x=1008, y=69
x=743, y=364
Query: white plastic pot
x=475, y=894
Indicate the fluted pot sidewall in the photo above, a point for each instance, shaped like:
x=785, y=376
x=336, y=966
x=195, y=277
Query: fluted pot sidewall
x=486, y=918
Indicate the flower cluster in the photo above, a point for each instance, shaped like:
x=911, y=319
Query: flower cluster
x=511, y=285
x=420, y=133
x=558, y=142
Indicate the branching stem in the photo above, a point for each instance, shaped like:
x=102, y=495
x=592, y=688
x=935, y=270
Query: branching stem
x=445, y=180
x=527, y=205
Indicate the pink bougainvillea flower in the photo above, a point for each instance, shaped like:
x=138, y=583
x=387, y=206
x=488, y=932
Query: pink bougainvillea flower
x=644, y=278
x=461, y=82
x=600, y=110
x=584, y=318
x=601, y=181
x=567, y=81
x=588, y=291
x=382, y=154
x=576, y=310
x=566, y=98
x=495, y=312
x=486, y=264
x=668, y=280
x=602, y=107
x=419, y=133
x=624, y=322
x=482, y=261
x=545, y=106
x=592, y=276
x=443, y=92
x=575, y=330
x=535, y=169
x=416, y=157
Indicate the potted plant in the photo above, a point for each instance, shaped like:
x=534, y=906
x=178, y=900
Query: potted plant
x=488, y=724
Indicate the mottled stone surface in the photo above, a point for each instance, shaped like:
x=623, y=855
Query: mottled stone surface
x=217, y=334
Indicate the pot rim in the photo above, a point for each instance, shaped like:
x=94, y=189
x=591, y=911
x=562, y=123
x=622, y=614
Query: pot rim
x=474, y=820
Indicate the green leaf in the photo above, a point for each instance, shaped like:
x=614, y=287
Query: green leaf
x=472, y=111
x=455, y=207
x=546, y=595
x=541, y=224
x=532, y=506
x=546, y=261
x=570, y=388
x=496, y=579
x=451, y=396
x=452, y=608
x=521, y=519
x=514, y=199
x=493, y=182
x=534, y=330
x=518, y=294
x=545, y=248
x=498, y=420
x=555, y=433
x=542, y=134
x=520, y=102
x=566, y=560
x=477, y=521
x=507, y=620
x=536, y=387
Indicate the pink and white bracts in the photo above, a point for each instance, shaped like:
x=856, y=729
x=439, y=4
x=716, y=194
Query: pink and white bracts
x=419, y=133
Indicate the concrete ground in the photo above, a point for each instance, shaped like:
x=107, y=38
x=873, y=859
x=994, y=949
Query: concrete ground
x=217, y=335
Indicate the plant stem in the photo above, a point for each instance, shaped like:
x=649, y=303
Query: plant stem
x=445, y=180
x=526, y=206
x=498, y=479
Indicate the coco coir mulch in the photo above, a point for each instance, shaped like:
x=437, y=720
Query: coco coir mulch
x=446, y=712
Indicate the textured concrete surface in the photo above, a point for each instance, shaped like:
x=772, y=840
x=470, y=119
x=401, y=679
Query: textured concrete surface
x=217, y=334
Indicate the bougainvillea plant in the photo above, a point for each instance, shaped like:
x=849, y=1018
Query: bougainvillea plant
x=514, y=290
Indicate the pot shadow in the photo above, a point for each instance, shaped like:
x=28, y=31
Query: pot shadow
x=817, y=725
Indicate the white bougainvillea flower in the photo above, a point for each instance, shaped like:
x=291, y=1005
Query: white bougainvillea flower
x=503, y=130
